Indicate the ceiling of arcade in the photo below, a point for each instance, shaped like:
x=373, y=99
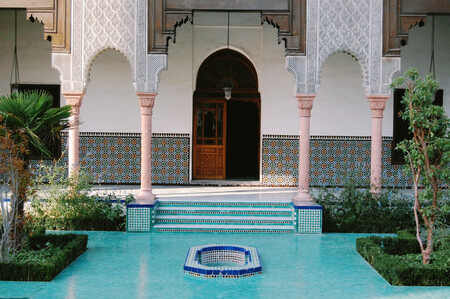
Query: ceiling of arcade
x=288, y=16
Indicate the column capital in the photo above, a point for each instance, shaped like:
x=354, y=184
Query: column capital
x=377, y=104
x=305, y=103
x=147, y=101
x=74, y=98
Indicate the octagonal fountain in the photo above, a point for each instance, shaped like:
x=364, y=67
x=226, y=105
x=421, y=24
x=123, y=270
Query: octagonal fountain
x=222, y=261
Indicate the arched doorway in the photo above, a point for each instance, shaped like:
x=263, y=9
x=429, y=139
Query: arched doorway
x=226, y=132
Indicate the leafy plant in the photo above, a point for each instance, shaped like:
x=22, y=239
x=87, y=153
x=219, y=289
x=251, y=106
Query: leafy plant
x=356, y=210
x=13, y=177
x=427, y=153
x=27, y=119
x=67, y=203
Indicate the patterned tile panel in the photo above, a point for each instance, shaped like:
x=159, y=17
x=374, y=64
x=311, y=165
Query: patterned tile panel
x=334, y=161
x=139, y=219
x=114, y=158
x=280, y=161
x=309, y=221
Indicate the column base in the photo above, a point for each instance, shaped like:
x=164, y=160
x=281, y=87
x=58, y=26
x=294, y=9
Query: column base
x=303, y=196
x=375, y=190
x=145, y=197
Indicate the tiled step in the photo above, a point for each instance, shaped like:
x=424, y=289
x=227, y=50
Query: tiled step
x=247, y=220
x=224, y=216
x=215, y=204
x=224, y=228
x=222, y=211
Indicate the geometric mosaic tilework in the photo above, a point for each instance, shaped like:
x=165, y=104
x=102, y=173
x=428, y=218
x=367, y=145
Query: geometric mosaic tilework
x=309, y=221
x=140, y=218
x=393, y=175
x=334, y=161
x=170, y=159
x=337, y=161
x=114, y=158
x=280, y=160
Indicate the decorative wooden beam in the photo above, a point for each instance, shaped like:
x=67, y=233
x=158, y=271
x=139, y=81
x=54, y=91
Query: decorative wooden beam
x=288, y=16
x=291, y=25
x=401, y=15
x=54, y=14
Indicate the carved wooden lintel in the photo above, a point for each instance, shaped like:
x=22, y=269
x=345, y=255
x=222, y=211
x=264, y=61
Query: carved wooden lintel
x=288, y=16
x=54, y=14
x=401, y=15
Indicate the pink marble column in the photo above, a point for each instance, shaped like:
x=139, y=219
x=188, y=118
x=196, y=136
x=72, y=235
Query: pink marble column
x=377, y=105
x=305, y=103
x=74, y=99
x=146, y=100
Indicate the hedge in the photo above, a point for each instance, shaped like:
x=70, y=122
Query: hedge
x=80, y=223
x=71, y=247
x=354, y=210
x=399, y=261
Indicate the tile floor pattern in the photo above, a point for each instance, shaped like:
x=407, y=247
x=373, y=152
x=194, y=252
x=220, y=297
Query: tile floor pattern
x=114, y=158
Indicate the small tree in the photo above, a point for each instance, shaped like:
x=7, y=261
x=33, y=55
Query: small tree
x=427, y=153
x=13, y=177
x=26, y=119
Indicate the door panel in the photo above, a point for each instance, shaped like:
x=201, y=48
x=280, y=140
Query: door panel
x=209, y=141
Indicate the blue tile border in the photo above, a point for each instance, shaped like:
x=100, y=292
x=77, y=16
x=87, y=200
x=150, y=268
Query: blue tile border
x=138, y=205
x=306, y=206
x=223, y=253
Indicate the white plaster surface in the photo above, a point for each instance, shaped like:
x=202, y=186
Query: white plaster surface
x=110, y=103
x=341, y=106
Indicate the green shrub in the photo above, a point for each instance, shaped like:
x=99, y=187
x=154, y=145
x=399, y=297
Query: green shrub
x=62, y=203
x=80, y=222
x=354, y=210
x=44, y=257
x=399, y=261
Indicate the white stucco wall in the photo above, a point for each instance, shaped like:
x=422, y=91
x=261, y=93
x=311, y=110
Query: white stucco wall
x=341, y=107
x=111, y=105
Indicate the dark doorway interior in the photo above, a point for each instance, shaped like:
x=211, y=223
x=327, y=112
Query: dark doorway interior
x=242, y=140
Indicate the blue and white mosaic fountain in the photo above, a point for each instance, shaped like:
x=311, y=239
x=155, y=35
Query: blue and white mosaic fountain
x=222, y=261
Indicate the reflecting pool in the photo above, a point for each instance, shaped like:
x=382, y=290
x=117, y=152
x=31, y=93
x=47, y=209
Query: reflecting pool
x=125, y=265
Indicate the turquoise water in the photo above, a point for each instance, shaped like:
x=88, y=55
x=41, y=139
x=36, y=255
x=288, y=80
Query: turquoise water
x=121, y=265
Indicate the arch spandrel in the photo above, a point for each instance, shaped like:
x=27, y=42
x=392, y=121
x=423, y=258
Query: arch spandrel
x=363, y=68
x=107, y=25
x=89, y=64
x=356, y=29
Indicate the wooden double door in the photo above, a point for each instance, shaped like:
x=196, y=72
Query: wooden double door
x=226, y=139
